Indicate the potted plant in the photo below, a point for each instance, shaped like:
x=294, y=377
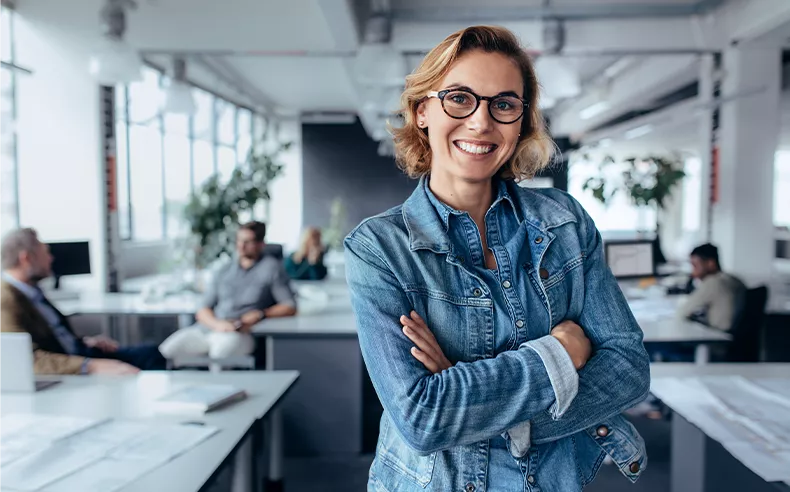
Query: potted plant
x=216, y=208
x=647, y=182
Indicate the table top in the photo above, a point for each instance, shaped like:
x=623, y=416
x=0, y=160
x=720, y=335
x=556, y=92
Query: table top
x=129, y=397
x=130, y=303
x=325, y=310
x=681, y=369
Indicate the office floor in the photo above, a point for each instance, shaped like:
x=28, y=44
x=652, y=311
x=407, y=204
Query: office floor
x=350, y=474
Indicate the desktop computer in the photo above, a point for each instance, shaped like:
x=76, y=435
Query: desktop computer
x=631, y=259
x=70, y=258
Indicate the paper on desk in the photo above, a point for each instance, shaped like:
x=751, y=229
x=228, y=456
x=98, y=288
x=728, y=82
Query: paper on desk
x=40, y=468
x=105, y=475
x=24, y=434
x=745, y=416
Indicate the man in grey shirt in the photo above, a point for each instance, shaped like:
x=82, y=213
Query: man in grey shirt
x=245, y=292
x=719, y=298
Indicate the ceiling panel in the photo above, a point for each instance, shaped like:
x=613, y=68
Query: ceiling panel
x=315, y=84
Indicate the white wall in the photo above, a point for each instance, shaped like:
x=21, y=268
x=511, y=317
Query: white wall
x=59, y=142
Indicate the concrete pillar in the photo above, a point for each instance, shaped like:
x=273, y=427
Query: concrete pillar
x=742, y=220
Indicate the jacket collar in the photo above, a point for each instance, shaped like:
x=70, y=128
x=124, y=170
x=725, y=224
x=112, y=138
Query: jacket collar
x=427, y=218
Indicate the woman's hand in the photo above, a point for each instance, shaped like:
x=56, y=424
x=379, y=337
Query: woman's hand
x=427, y=349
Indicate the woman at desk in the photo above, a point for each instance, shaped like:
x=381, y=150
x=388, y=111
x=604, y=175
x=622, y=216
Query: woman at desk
x=495, y=335
x=307, y=263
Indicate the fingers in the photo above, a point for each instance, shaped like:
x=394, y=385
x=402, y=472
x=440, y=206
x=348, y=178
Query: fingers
x=427, y=361
x=419, y=335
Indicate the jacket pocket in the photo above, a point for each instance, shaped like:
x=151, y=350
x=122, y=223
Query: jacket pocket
x=397, y=456
x=621, y=441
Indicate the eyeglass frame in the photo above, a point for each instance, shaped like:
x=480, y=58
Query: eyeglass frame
x=440, y=95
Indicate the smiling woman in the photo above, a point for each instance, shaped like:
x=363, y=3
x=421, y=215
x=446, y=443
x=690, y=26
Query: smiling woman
x=497, y=339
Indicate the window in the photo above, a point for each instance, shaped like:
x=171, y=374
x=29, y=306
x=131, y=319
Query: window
x=781, y=188
x=9, y=202
x=620, y=214
x=163, y=158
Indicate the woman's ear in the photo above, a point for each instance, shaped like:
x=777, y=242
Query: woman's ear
x=422, y=117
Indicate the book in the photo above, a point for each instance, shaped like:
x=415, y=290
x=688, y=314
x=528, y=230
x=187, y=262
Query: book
x=199, y=398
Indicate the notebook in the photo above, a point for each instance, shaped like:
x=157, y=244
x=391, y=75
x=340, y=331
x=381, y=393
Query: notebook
x=199, y=398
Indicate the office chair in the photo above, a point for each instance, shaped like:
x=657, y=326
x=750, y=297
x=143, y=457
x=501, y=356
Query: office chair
x=745, y=345
x=273, y=249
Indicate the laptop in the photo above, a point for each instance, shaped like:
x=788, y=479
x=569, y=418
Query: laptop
x=16, y=365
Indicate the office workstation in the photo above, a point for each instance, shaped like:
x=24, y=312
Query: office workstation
x=197, y=199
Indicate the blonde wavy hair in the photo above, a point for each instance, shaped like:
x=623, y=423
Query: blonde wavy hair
x=412, y=149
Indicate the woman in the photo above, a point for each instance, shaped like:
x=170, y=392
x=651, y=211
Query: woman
x=307, y=263
x=497, y=339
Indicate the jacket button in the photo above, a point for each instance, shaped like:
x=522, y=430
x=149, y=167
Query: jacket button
x=470, y=487
x=602, y=431
x=544, y=274
x=538, y=240
x=477, y=292
x=634, y=467
x=520, y=323
x=531, y=479
x=506, y=284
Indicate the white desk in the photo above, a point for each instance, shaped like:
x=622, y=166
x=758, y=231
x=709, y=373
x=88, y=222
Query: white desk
x=131, y=307
x=660, y=324
x=123, y=303
x=698, y=463
x=130, y=397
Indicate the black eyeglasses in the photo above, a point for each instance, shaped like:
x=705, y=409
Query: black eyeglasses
x=462, y=103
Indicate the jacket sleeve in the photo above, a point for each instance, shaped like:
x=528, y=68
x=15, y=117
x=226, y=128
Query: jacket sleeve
x=467, y=403
x=44, y=362
x=617, y=376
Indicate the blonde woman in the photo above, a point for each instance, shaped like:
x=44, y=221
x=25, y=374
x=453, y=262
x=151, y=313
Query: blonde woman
x=496, y=337
x=307, y=263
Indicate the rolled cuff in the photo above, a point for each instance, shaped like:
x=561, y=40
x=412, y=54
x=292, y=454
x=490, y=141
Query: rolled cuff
x=562, y=373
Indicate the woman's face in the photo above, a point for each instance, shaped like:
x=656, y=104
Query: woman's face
x=474, y=148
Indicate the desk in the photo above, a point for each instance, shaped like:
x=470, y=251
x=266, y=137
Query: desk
x=698, y=463
x=660, y=324
x=129, y=398
x=131, y=307
x=324, y=414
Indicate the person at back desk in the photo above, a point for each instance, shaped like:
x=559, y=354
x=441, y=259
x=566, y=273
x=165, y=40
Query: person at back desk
x=56, y=349
x=307, y=263
x=718, y=299
x=248, y=290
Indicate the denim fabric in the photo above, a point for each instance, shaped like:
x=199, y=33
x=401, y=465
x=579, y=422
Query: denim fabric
x=438, y=429
x=506, y=239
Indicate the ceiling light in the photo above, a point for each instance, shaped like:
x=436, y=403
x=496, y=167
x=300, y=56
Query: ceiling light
x=114, y=61
x=594, y=110
x=380, y=64
x=178, y=95
x=638, y=131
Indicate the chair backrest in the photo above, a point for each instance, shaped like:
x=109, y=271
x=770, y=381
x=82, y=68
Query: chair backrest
x=273, y=249
x=745, y=346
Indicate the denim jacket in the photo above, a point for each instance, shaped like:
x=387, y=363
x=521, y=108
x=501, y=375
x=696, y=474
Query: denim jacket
x=436, y=428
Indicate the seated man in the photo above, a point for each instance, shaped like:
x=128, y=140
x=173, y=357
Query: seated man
x=719, y=298
x=56, y=349
x=251, y=288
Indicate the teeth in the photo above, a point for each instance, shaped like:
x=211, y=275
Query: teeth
x=475, y=149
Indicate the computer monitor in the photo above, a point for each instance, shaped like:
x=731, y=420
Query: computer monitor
x=72, y=258
x=631, y=259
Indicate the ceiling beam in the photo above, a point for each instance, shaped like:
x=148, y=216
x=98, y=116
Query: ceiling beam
x=634, y=89
x=577, y=12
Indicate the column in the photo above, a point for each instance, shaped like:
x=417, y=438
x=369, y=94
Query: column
x=742, y=211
